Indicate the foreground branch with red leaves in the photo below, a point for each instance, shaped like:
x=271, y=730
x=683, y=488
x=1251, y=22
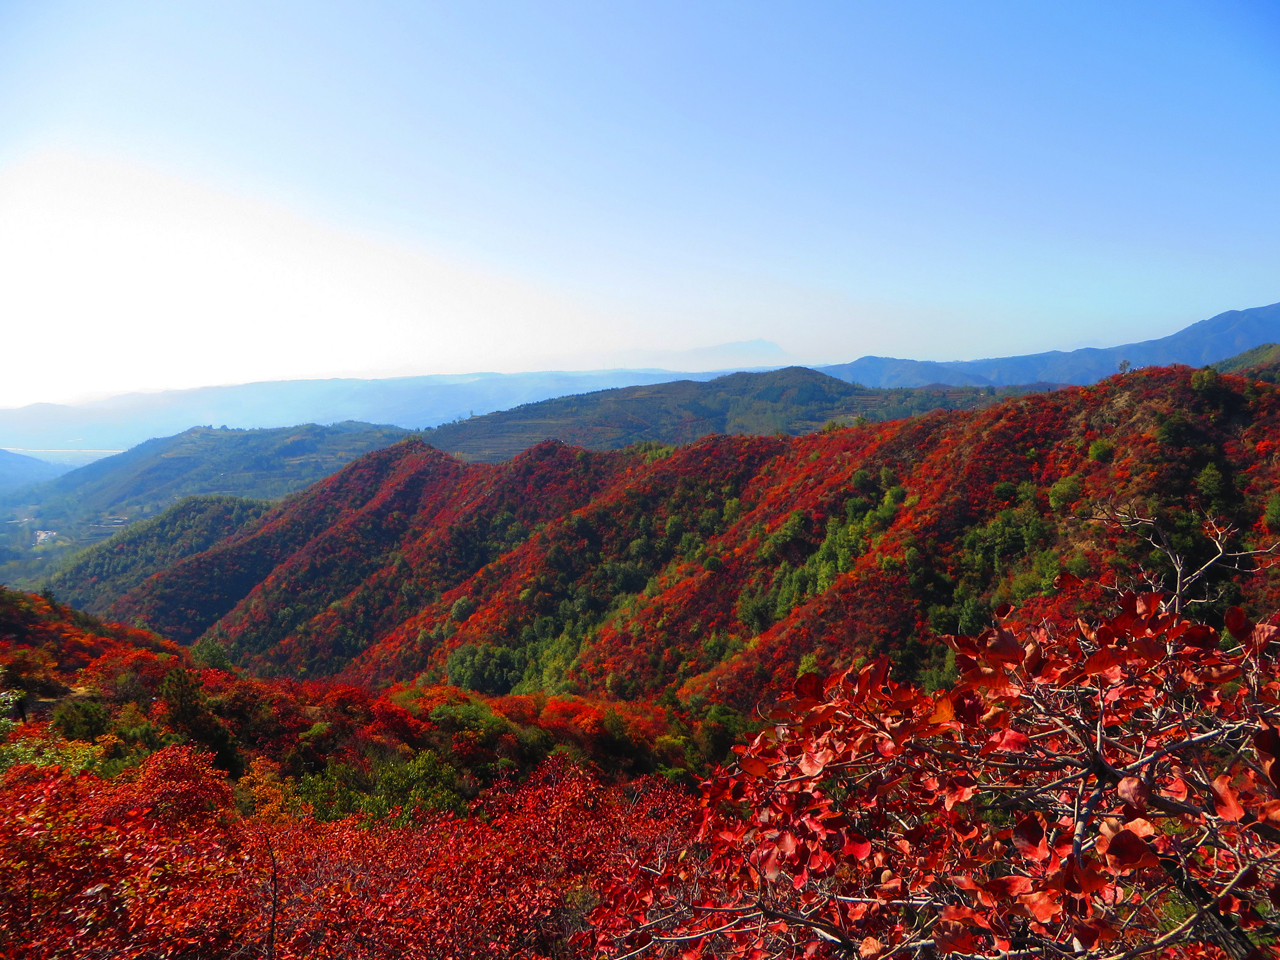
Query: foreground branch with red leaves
x=1102, y=792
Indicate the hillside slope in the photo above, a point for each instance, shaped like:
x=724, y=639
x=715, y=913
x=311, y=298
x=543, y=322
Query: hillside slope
x=99, y=499
x=410, y=402
x=793, y=400
x=1205, y=342
x=18, y=470
x=1266, y=355
x=93, y=578
x=722, y=567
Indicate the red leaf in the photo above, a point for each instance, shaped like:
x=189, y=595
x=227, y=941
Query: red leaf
x=1014, y=742
x=1238, y=623
x=1200, y=636
x=944, y=711
x=1134, y=792
x=810, y=766
x=770, y=867
x=1148, y=604
x=1029, y=839
x=1261, y=636
x=754, y=767
x=949, y=936
x=890, y=889
x=1128, y=851
x=1007, y=887
x=957, y=790
x=1219, y=673
x=1105, y=660
x=808, y=687
x=1003, y=647
x=856, y=845
x=1043, y=904
x=1225, y=803
x=1266, y=742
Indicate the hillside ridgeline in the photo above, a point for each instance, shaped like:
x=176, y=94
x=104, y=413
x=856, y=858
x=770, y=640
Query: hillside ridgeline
x=96, y=576
x=794, y=400
x=717, y=570
x=17, y=470
x=1206, y=342
x=95, y=501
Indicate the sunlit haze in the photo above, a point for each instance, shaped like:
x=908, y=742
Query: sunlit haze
x=202, y=194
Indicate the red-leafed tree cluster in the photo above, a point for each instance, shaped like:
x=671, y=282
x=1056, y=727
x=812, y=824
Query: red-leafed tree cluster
x=1097, y=791
x=160, y=864
x=707, y=571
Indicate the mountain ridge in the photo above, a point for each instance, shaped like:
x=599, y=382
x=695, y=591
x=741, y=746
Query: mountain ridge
x=722, y=567
x=1201, y=343
x=792, y=400
x=430, y=401
x=408, y=402
x=18, y=470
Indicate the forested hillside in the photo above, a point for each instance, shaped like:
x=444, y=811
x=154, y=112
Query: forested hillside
x=18, y=470
x=794, y=400
x=123, y=836
x=95, y=577
x=96, y=501
x=714, y=571
x=1261, y=362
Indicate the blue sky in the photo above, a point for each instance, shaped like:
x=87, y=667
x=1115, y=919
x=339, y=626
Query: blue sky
x=205, y=193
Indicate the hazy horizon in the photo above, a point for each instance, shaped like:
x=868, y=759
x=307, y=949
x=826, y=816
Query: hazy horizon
x=194, y=197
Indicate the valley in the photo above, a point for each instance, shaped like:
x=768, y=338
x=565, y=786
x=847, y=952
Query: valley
x=93, y=502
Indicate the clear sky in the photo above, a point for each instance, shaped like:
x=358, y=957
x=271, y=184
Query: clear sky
x=197, y=193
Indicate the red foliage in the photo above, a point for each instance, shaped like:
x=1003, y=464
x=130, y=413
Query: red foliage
x=142, y=868
x=1108, y=789
x=648, y=562
x=162, y=866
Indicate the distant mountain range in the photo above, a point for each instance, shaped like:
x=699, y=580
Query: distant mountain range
x=792, y=401
x=74, y=432
x=118, y=423
x=1198, y=345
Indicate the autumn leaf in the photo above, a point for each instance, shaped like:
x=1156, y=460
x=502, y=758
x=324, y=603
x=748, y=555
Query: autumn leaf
x=1044, y=905
x=943, y=711
x=1013, y=741
x=957, y=790
x=1134, y=791
x=857, y=846
x=1225, y=803
x=753, y=766
x=1238, y=623
x=1127, y=851
x=1029, y=839
x=808, y=687
x=949, y=936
